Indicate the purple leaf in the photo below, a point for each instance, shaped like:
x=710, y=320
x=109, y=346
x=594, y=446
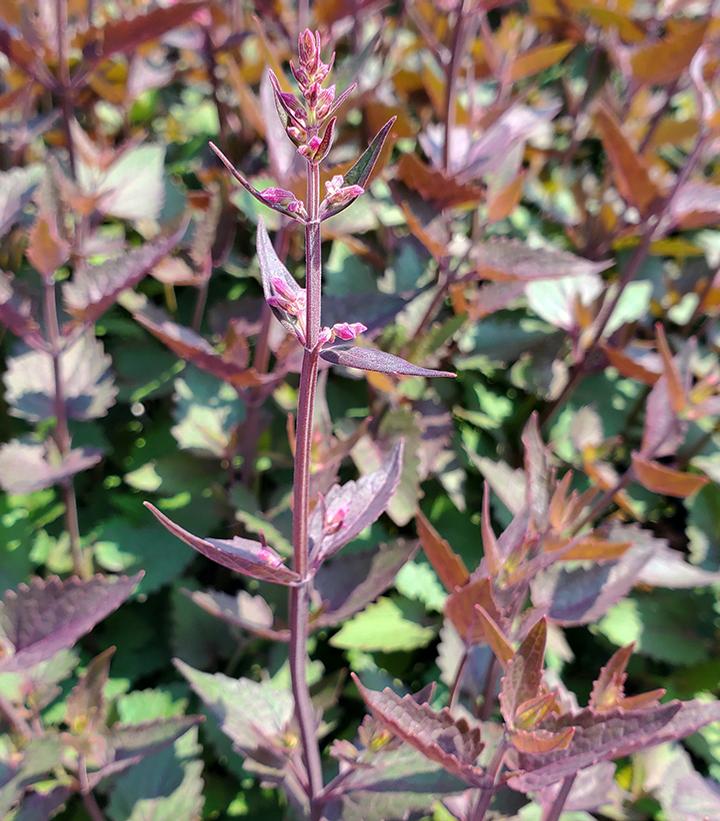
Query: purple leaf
x=134, y=741
x=610, y=735
x=348, y=509
x=191, y=347
x=450, y=742
x=684, y=794
x=524, y=674
x=250, y=188
x=537, y=471
x=94, y=289
x=511, y=260
x=251, y=613
x=663, y=432
x=361, y=171
x=16, y=314
x=272, y=269
x=39, y=806
x=583, y=595
x=45, y=616
x=26, y=467
x=348, y=584
x=593, y=787
x=370, y=359
x=245, y=556
x=16, y=188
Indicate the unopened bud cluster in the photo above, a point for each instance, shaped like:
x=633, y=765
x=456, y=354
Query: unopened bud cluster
x=292, y=306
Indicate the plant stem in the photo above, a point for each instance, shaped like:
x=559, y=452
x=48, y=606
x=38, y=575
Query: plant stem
x=487, y=793
x=554, y=813
x=61, y=24
x=451, y=84
x=62, y=431
x=89, y=800
x=489, y=689
x=459, y=674
x=300, y=595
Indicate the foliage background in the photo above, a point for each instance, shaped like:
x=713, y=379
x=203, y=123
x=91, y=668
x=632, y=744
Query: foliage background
x=176, y=435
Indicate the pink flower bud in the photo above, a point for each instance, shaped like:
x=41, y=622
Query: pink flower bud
x=268, y=556
x=335, y=517
x=309, y=49
x=284, y=198
x=348, y=330
x=325, y=336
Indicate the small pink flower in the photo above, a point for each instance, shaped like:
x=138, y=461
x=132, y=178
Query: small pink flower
x=325, y=336
x=268, y=556
x=348, y=330
x=339, y=194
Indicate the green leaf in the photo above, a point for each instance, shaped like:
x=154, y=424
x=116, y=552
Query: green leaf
x=206, y=413
x=663, y=626
x=388, y=625
x=123, y=548
x=167, y=785
x=417, y=580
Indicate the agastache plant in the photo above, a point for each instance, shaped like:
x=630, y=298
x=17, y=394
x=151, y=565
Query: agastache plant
x=309, y=122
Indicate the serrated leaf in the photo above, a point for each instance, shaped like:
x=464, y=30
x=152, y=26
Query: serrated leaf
x=27, y=467
x=16, y=313
x=206, y=413
x=247, y=612
x=611, y=735
x=255, y=715
x=38, y=619
x=386, y=626
x=94, y=289
x=88, y=386
x=450, y=742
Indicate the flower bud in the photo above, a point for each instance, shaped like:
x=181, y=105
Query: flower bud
x=335, y=517
x=348, y=330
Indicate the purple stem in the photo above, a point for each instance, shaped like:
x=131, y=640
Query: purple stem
x=61, y=22
x=554, y=813
x=91, y=805
x=451, y=83
x=62, y=431
x=456, y=685
x=493, y=773
x=300, y=596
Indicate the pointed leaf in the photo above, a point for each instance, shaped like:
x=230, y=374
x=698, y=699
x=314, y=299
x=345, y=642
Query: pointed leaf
x=94, y=289
x=370, y=359
x=45, y=616
x=16, y=314
x=630, y=170
x=134, y=741
x=447, y=564
x=460, y=609
x=85, y=706
x=250, y=188
x=348, y=509
x=541, y=741
x=192, y=347
x=668, y=481
x=607, y=736
x=255, y=715
x=437, y=735
x=245, y=556
x=523, y=677
x=511, y=260
x=494, y=637
x=251, y=613
x=537, y=472
x=609, y=687
x=361, y=171
x=349, y=584
x=491, y=549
